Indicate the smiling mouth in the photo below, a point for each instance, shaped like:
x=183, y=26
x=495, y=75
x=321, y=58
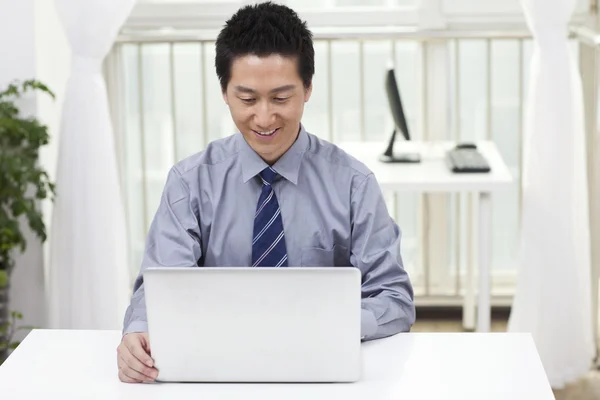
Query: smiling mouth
x=266, y=133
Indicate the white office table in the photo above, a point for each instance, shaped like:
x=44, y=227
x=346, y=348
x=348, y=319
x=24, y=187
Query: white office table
x=61, y=364
x=432, y=175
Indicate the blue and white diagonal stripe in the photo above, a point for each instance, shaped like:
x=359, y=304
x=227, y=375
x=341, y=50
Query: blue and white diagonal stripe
x=268, y=242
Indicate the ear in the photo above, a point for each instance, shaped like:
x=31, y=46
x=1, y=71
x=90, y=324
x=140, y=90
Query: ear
x=307, y=92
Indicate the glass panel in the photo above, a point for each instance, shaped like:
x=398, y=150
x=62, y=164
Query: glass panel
x=133, y=188
x=218, y=118
x=454, y=200
x=188, y=99
x=316, y=110
x=469, y=69
x=407, y=213
x=346, y=95
x=149, y=136
x=409, y=67
x=472, y=126
x=158, y=125
x=505, y=126
x=378, y=120
x=473, y=90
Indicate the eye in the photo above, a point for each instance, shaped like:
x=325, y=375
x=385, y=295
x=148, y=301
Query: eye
x=280, y=99
x=248, y=101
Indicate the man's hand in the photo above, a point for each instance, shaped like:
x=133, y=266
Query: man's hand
x=133, y=359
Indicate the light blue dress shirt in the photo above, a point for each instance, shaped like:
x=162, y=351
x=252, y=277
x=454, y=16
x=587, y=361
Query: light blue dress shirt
x=333, y=214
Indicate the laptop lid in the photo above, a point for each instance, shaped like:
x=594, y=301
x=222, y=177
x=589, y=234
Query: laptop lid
x=254, y=324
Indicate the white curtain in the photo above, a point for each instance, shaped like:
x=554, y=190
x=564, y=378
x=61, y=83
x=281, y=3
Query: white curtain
x=552, y=299
x=88, y=274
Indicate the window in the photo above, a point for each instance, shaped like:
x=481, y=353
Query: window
x=172, y=107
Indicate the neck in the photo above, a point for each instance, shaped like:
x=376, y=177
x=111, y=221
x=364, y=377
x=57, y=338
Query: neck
x=274, y=158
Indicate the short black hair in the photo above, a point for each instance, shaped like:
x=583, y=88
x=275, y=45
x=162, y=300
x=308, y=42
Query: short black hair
x=262, y=30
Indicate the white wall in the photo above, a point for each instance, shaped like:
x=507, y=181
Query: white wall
x=34, y=46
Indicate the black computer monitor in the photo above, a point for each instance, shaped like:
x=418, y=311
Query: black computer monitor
x=395, y=103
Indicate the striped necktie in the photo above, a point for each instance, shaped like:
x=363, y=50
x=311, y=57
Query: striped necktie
x=268, y=243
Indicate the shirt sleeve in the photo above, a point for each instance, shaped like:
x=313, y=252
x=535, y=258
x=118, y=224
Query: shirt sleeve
x=173, y=241
x=387, y=294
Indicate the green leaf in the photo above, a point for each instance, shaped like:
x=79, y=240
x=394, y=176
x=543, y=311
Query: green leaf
x=4, y=327
x=16, y=315
x=23, y=183
x=14, y=345
x=3, y=278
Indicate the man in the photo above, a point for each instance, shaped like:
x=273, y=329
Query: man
x=272, y=195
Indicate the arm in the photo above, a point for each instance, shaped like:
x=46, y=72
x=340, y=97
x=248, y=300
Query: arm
x=387, y=294
x=173, y=241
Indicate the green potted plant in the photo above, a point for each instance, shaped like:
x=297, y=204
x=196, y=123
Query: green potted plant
x=23, y=184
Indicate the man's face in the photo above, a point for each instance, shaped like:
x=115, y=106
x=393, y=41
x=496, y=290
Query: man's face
x=266, y=99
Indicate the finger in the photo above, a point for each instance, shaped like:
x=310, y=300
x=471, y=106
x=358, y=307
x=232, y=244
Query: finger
x=135, y=369
x=127, y=360
x=126, y=379
x=122, y=364
x=134, y=375
x=135, y=348
x=137, y=365
x=145, y=339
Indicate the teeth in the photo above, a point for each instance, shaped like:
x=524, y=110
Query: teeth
x=267, y=133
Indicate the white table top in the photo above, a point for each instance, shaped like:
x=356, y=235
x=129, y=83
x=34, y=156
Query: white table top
x=56, y=364
x=431, y=174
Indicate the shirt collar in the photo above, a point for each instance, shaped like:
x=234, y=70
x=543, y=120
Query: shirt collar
x=288, y=166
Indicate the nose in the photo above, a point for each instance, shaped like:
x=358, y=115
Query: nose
x=264, y=118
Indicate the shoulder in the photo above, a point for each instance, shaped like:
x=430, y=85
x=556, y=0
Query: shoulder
x=330, y=157
x=217, y=152
x=334, y=169
x=185, y=176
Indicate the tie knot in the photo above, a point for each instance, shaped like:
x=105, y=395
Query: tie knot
x=268, y=175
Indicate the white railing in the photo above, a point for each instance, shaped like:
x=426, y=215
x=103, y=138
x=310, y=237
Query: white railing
x=455, y=85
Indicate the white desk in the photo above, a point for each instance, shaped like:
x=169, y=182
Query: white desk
x=82, y=365
x=432, y=175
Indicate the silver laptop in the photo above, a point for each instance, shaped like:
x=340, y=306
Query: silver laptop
x=254, y=324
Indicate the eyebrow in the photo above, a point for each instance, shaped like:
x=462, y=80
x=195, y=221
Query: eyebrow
x=245, y=89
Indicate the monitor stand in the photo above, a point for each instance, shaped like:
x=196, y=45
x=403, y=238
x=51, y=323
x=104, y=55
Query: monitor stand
x=393, y=157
